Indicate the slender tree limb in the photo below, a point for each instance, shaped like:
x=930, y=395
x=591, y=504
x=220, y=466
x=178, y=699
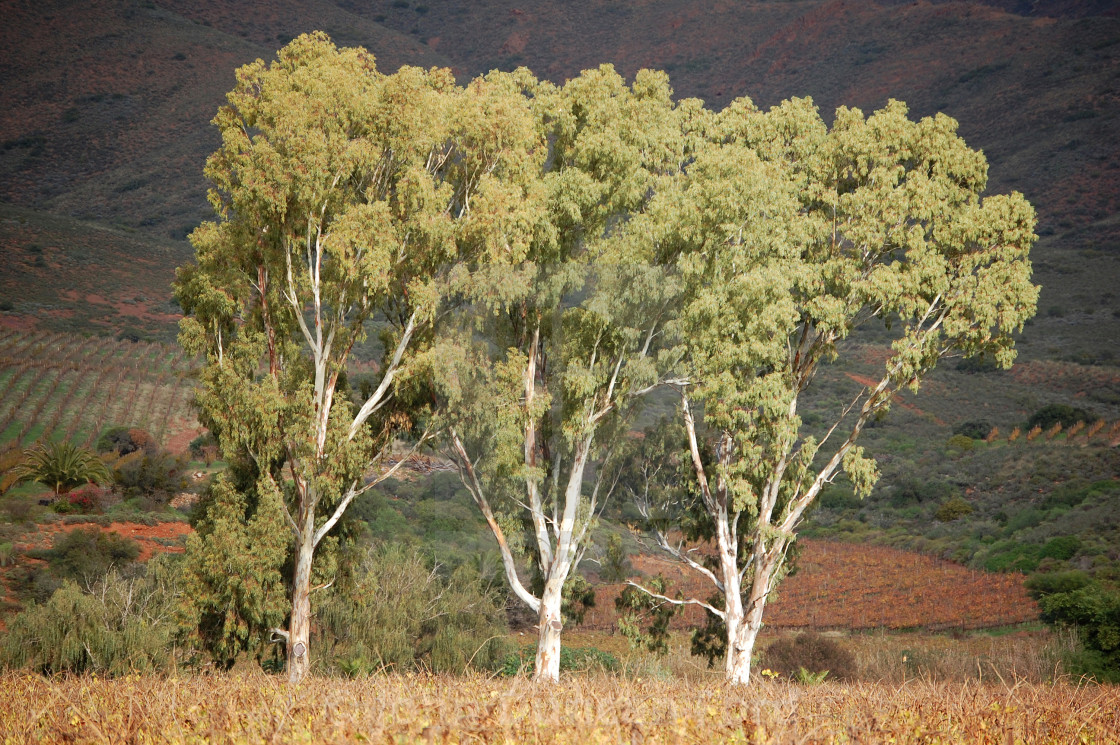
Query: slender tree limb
x=690, y=601
x=470, y=479
x=371, y=404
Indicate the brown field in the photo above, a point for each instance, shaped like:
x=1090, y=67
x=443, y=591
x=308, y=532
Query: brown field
x=581, y=709
x=853, y=586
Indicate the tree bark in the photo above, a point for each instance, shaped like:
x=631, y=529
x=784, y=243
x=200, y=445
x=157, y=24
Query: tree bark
x=742, y=635
x=740, y=647
x=299, y=630
x=550, y=624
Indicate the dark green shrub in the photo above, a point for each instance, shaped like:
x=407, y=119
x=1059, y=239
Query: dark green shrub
x=978, y=364
x=814, y=653
x=913, y=491
x=1064, y=547
x=393, y=612
x=200, y=443
x=974, y=430
x=1012, y=556
x=1027, y=518
x=125, y=440
x=1052, y=414
x=839, y=497
x=233, y=588
x=1041, y=585
x=149, y=472
x=85, y=554
x=1094, y=611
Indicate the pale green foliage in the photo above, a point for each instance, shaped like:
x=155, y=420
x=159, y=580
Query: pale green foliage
x=61, y=466
x=542, y=385
x=788, y=235
x=791, y=234
x=117, y=626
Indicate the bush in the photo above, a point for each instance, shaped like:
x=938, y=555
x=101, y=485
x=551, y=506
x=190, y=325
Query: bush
x=953, y=509
x=962, y=443
x=394, y=612
x=203, y=446
x=1041, y=585
x=979, y=364
x=913, y=491
x=121, y=626
x=974, y=430
x=7, y=554
x=125, y=440
x=615, y=565
x=85, y=554
x=1094, y=611
x=1067, y=416
x=810, y=652
x=149, y=472
x=1063, y=547
x=85, y=500
x=1013, y=556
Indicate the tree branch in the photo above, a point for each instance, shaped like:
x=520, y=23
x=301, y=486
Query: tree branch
x=470, y=480
x=353, y=493
x=690, y=601
x=374, y=401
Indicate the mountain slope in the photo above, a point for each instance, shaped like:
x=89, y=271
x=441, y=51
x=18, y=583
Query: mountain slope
x=108, y=104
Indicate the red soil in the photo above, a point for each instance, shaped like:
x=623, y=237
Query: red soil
x=148, y=537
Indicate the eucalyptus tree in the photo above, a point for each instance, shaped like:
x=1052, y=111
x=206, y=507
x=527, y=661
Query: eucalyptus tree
x=790, y=235
x=345, y=198
x=547, y=381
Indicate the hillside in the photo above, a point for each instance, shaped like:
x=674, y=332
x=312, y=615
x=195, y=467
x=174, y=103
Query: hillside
x=108, y=104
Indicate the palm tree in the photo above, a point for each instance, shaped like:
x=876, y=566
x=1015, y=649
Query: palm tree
x=61, y=466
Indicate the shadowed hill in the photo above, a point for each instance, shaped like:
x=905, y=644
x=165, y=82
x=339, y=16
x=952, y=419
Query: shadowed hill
x=108, y=103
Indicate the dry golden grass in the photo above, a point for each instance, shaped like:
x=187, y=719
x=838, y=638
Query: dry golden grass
x=581, y=709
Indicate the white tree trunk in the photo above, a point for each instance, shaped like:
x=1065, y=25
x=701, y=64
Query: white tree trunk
x=299, y=631
x=740, y=647
x=738, y=670
x=550, y=624
x=742, y=635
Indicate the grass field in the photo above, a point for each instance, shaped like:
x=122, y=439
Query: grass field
x=581, y=709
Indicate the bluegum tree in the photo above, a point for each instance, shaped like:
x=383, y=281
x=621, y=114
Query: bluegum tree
x=345, y=198
x=789, y=235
